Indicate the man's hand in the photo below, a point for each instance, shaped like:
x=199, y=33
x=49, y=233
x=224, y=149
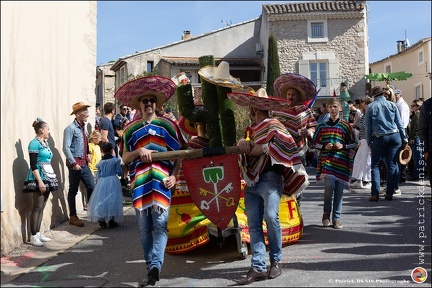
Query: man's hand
x=145, y=155
x=245, y=146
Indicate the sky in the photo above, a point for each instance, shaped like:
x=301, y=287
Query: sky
x=126, y=27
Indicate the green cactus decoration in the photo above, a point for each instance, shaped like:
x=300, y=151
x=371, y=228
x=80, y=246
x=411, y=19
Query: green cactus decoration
x=226, y=114
x=187, y=106
x=218, y=111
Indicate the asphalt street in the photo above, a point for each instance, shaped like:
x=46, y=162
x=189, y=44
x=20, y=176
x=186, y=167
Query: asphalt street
x=380, y=245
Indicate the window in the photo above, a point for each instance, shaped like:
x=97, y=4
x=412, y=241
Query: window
x=318, y=73
x=122, y=75
x=150, y=66
x=418, y=92
x=317, y=31
x=387, y=69
x=99, y=93
x=420, y=57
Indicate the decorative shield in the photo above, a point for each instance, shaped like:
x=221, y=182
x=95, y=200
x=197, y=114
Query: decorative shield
x=214, y=186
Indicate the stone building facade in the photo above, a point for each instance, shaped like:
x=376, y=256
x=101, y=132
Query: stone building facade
x=324, y=40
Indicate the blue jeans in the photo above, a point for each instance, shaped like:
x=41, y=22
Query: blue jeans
x=385, y=148
x=333, y=195
x=153, y=235
x=262, y=202
x=417, y=156
x=75, y=176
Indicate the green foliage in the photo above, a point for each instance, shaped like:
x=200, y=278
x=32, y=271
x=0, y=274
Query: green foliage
x=155, y=72
x=210, y=100
x=226, y=114
x=273, y=69
x=187, y=106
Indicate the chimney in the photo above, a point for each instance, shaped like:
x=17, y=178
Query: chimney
x=186, y=35
x=400, y=46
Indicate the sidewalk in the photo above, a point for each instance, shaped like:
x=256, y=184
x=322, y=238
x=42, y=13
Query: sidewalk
x=379, y=246
x=27, y=257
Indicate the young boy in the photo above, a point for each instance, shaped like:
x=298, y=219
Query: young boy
x=335, y=139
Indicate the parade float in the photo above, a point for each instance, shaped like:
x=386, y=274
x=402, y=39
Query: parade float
x=208, y=198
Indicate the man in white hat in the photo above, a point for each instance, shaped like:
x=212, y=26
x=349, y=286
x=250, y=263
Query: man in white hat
x=405, y=112
x=151, y=181
x=76, y=150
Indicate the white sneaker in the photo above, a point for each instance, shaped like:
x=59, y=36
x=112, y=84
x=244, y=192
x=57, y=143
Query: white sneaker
x=357, y=185
x=367, y=186
x=34, y=240
x=42, y=237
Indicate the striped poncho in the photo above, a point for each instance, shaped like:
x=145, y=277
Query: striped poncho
x=295, y=119
x=335, y=163
x=162, y=134
x=281, y=149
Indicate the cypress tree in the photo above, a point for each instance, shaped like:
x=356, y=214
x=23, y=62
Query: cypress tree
x=273, y=70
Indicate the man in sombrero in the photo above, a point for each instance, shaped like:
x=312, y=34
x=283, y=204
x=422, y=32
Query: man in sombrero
x=299, y=118
x=151, y=181
x=270, y=159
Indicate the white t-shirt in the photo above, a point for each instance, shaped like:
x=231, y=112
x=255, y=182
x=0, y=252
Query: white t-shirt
x=404, y=111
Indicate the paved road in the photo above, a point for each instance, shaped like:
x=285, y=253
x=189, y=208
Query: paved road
x=379, y=246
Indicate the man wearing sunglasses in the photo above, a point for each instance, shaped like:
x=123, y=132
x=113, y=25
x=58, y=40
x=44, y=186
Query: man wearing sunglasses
x=151, y=181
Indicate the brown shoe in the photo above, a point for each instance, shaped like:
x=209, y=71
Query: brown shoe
x=251, y=277
x=337, y=224
x=374, y=198
x=326, y=219
x=74, y=220
x=275, y=270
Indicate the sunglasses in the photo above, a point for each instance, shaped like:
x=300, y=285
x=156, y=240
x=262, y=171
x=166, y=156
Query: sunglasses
x=145, y=101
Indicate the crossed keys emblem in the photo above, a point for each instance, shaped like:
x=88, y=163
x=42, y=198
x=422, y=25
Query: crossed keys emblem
x=214, y=175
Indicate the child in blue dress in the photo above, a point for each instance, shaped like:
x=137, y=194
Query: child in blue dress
x=106, y=202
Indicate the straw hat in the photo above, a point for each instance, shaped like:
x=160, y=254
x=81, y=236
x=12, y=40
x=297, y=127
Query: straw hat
x=405, y=155
x=259, y=100
x=77, y=107
x=160, y=87
x=306, y=87
x=219, y=75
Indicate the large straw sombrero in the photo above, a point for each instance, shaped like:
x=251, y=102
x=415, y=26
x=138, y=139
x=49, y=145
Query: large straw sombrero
x=160, y=87
x=299, y=82
x=219, y=75
x=405, y=155
x=259, y=100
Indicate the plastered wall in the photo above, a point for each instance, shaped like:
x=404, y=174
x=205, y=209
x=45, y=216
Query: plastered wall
x=48, y=60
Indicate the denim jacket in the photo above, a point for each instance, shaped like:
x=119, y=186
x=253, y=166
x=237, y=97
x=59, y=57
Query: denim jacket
x=73, y=142
x=382, y=118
